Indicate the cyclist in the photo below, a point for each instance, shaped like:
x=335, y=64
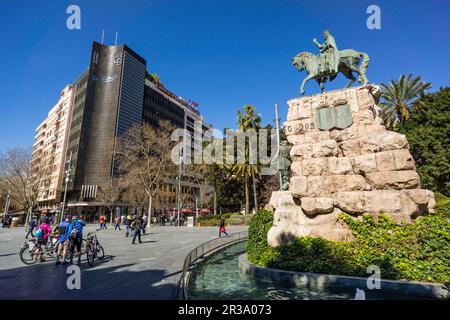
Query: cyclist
x=63, y=239
x=76, y=236
x=42, y=233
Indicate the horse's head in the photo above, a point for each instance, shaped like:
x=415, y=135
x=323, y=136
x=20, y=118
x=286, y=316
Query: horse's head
x=301, y=60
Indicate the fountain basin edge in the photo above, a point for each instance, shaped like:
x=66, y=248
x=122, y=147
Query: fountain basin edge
x=316, y=281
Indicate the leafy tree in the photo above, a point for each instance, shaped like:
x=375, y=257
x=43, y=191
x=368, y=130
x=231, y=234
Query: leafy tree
x=400, y=97
x=428, y=133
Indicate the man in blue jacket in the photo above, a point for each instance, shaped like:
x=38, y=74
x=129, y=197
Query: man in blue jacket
x=76, y=236
x=64, y=232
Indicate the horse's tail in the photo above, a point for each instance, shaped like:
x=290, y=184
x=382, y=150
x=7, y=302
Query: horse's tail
x=363, y=67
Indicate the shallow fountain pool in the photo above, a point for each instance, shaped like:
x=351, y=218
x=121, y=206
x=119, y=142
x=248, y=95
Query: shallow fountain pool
x=219, y=277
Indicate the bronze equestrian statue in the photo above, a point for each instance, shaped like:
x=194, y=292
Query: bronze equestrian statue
x=330, y=62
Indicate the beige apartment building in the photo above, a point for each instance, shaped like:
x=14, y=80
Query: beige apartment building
x=50, y=148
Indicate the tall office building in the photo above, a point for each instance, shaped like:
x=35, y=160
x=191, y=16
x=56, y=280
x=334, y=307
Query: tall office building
x=111, y=95
x=108, y=101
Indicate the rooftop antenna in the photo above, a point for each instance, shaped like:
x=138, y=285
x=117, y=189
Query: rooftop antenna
x=115, y=42
x=103, y=35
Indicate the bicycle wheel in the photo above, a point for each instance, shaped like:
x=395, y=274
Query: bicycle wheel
x=50, y=248
x=100, y=252
x=27, y=256
x=90, y=255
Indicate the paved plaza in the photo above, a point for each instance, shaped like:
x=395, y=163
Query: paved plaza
x=142, y=271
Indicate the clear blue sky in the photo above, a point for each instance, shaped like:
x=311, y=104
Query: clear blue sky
x=222, y=54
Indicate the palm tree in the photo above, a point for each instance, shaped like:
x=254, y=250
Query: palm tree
x=400, y=97
x=248, y=119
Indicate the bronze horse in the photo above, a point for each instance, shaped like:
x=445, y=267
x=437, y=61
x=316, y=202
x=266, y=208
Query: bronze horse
x=349, y=60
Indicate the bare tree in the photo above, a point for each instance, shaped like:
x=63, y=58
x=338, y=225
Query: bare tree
x=23, y=177
x=135, y=196
x=111, y=193
x=144, y=155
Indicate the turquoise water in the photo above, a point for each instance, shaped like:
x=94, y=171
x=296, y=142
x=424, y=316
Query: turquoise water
x=219, y=277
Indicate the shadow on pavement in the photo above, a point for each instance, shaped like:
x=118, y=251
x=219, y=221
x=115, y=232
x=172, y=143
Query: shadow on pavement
x=47, y=281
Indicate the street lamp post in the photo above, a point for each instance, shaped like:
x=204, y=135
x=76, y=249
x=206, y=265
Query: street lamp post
x=196, y=208
x=278, y=144
x=66, y=181
x=179, y=190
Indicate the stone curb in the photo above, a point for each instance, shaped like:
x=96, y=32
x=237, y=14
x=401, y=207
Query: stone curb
x=315, y=281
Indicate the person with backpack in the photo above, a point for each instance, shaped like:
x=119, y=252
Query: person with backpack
x=76, y=236
x=42, y=232
x=31, y=226
x=63, y=239
x=136, y=226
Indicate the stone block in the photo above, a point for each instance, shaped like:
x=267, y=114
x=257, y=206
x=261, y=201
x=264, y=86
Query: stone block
x=365, y=117
x=314, y=167
x=388, y=201
x=407, y=179
x=326, y=148
x=365, y=98
x=319, y=186
x=417, y=202
x=320, y=205
x=366, y=130
x=324, y=205
x=364, y=164
x=352, y=202
x=350, y=147
x=296, y=139
x=316, y=136
x=281, y=199
x=339, y=166
x=292, y=114
x=296, y=168
x=304, y=111
x=385, y=161
x=351, y=182
x=308, y=205
x=344, y=134
x=298, y=186
x=298, y=127
x=403, y=160
x=383, y=141
x=301, y=151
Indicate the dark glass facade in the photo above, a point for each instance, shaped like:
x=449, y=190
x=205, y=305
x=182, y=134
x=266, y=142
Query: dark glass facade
x=108, y=101
x=158, y=107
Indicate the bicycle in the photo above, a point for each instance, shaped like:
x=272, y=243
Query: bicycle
x=93, y=248
x=32, y=251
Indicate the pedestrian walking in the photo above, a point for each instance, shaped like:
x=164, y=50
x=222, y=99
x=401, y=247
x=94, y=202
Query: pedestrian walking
x=136, y=226
x=117, y=225
x=31, y=226
x=144, y=223
x=127, y=226
x=222, y=227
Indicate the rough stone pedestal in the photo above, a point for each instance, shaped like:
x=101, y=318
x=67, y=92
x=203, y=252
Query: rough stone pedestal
x=344, y=160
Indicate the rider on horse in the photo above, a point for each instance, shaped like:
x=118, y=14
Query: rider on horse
x=329, y=54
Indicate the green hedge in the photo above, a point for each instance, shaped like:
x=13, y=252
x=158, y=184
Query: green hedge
x=442, y=205
x=230, y=218
x=419, y=251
